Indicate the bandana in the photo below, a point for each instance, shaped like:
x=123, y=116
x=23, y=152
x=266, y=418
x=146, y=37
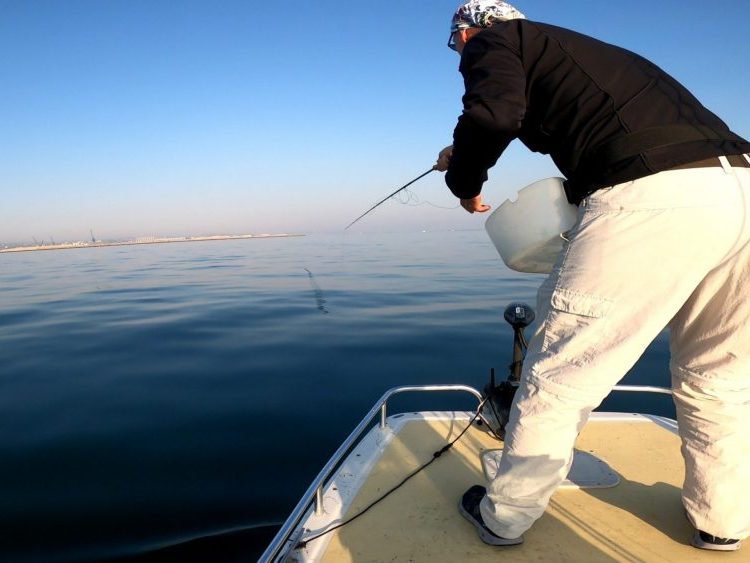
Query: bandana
x=483, y=13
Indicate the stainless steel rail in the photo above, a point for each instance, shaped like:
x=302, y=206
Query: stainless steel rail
x=314, y=493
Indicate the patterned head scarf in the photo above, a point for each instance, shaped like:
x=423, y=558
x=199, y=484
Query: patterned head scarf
x=483, y=13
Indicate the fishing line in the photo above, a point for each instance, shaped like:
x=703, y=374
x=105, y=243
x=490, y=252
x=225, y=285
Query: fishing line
x=303, y=543
x=320, y=299
x=382, y=201
x=408, y=197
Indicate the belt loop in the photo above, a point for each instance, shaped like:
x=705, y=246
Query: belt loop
x=725, y=164
x=747, y=157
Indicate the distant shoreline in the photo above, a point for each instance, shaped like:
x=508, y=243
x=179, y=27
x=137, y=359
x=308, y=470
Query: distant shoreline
x=154, y=240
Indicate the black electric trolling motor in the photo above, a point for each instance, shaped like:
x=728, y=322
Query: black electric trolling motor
x=496, y=410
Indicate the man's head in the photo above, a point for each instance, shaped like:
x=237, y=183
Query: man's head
x=475, y=15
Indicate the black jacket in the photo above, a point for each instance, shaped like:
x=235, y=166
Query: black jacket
x=604, y=114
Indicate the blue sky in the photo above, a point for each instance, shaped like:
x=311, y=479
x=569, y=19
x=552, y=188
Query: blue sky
x=155, y=117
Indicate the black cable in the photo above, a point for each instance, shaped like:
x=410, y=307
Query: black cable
x=302, y=543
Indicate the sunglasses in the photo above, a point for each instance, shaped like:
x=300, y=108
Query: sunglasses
x=452, y=41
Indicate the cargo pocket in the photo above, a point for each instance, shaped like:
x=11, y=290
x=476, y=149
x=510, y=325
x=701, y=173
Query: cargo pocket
x=575, y=326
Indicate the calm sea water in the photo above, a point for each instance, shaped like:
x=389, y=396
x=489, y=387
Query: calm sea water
x=172, y=402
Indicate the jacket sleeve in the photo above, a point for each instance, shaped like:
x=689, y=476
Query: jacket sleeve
x=494, y=108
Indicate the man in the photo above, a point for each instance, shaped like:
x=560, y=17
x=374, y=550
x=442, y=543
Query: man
x=662, y=239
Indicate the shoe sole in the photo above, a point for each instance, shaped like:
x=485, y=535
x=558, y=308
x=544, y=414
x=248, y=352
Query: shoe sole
x=486, y=536
x=698, y=542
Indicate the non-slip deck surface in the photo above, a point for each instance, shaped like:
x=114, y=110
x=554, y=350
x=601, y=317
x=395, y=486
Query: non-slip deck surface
x=641, y=519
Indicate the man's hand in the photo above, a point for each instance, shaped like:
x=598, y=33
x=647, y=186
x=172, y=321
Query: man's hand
x=471, y=205
x=475, y=204
x=444, y=158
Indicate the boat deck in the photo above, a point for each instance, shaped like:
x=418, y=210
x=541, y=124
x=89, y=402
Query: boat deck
x=639, y=519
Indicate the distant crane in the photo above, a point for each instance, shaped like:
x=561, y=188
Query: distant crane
x=52, y=239
x=92, y=236
x=36, y=242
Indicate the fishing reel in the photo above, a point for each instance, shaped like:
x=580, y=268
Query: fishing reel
x=496, y=409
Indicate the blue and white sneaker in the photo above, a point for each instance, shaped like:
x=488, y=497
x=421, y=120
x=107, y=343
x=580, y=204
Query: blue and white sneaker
x=469, y=509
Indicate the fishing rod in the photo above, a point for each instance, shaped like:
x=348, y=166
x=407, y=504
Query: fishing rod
x=390, y=196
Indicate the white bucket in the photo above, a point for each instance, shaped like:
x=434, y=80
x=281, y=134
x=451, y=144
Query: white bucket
x=527, y=232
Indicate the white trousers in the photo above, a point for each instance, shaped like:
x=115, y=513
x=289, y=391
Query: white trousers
x=669, y=250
